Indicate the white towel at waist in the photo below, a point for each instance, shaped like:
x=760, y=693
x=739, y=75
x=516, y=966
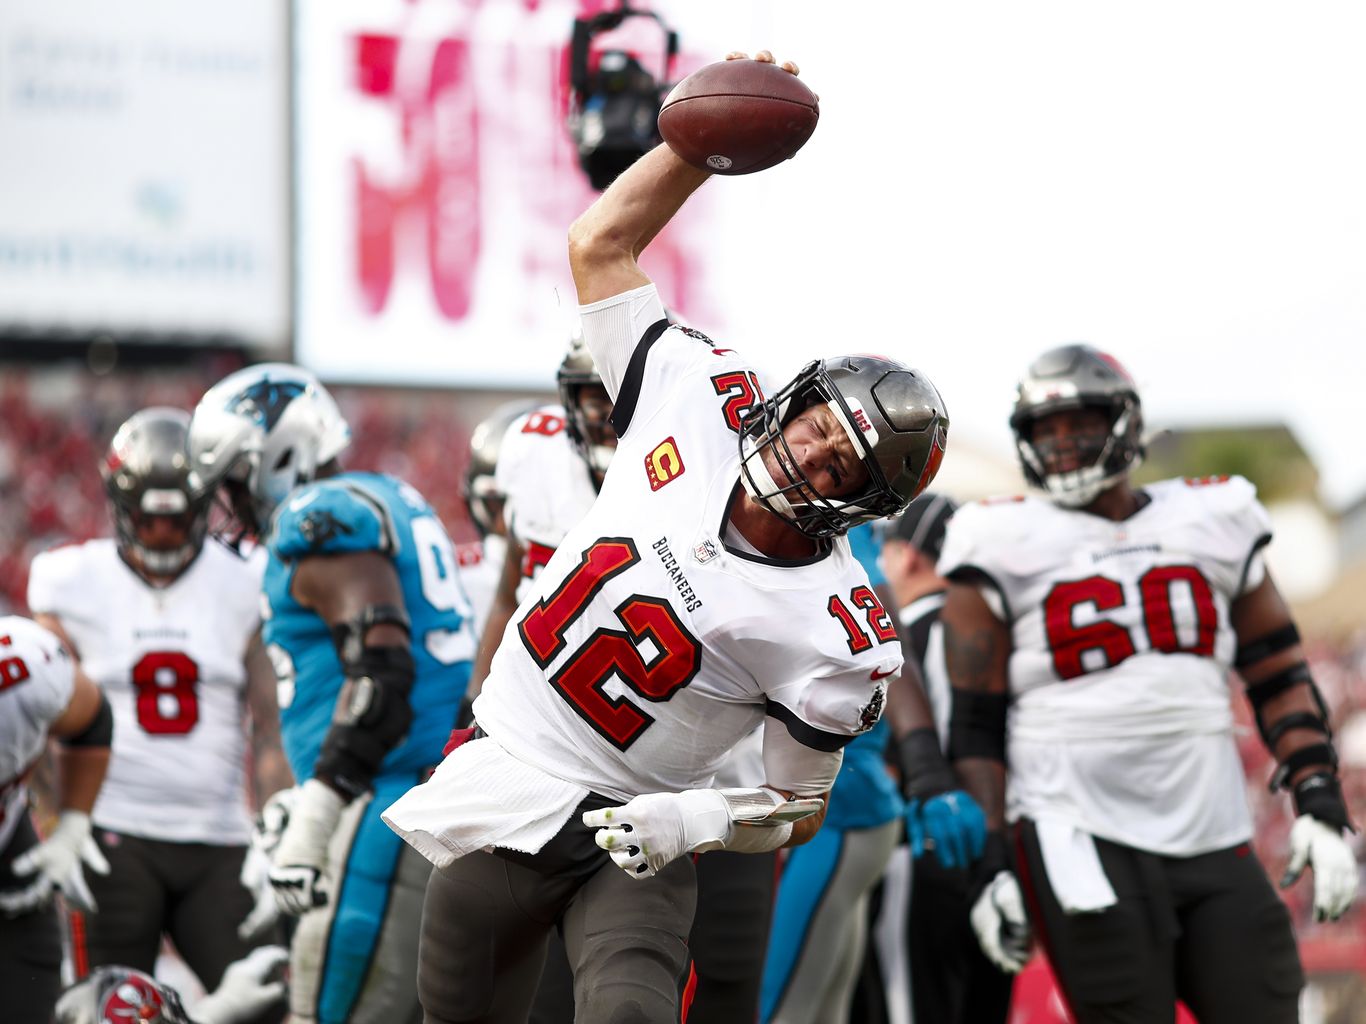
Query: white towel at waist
x=1075, y=873
x=481, y=797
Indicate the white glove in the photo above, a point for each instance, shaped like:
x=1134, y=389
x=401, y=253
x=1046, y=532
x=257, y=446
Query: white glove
x=1322, y=847
x=255, y=877
x=998, y=918
x=300, y=862
x=247, y=989
x=57, y=864
x=653, y=830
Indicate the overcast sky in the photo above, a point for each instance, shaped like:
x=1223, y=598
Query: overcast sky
x=1183, y=184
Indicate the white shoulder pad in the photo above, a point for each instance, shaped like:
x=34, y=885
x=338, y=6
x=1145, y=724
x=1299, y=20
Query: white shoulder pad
x=56, y=576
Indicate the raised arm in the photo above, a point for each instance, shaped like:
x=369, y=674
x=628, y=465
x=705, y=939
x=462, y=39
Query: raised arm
x=606, y=242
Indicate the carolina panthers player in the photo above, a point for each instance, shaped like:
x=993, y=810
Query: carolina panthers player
x=168, y=626
x=1089, y=639
x=42, y=694
x=707, y=592
x=367, y=626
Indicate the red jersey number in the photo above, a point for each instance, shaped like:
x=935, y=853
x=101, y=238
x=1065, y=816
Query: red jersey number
x=611, y=652
x=879, y=622
x=744, y=393
x=165, y=683
x=1069, y=641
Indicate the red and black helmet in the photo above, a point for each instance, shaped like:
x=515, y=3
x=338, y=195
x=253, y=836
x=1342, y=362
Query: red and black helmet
x=146, y=472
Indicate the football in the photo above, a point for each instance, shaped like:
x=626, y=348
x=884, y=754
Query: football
x=738, y=117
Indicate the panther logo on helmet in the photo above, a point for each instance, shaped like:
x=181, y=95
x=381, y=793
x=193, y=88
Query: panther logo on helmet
x=266, y=400
x=259, y=433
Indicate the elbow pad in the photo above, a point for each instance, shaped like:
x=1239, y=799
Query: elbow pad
x=371, y=719
x=100, y=731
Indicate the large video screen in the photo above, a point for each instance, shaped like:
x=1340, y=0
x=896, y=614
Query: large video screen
x=144, y=176
x=435, y=185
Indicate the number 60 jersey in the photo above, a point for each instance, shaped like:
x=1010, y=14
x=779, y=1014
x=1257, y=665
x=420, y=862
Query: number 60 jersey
x=1120, y=721
x=171, y=662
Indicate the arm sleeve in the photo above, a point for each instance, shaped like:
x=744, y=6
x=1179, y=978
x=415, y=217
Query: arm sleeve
x=613, y=327
x=793, y=767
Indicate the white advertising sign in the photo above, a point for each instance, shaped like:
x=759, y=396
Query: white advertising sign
x=143, y=169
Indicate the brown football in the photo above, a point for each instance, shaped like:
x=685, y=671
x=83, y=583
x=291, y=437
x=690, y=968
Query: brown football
x=738, y=116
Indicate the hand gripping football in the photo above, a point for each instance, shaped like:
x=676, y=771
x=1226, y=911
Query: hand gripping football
x=738, y=117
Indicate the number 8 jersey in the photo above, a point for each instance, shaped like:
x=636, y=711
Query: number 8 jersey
x=1120, y=722
x=171, y=662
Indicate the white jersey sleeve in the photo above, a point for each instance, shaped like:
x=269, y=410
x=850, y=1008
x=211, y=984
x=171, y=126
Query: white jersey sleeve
x=37, y=679
x=614, y=330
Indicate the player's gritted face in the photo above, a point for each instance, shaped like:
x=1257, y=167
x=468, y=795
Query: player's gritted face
x=823, y=454
x=1071, y=439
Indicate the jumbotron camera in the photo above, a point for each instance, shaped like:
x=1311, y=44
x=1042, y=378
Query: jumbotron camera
x=614, y=104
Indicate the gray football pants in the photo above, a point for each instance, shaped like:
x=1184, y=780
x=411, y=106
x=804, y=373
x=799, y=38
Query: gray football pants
x=488, y=916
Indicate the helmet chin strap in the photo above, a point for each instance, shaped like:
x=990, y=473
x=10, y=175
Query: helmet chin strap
x=759, y=482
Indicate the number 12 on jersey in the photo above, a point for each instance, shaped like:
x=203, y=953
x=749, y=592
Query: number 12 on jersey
x=611, y=652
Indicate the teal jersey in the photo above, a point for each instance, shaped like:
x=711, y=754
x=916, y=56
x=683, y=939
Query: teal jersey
x=345, y=514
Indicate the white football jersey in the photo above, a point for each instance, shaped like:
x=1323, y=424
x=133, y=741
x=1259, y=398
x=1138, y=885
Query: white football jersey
x=548, y=487
x=171, y=662
x=649, y=645
x=37, y=678
x=481, y=565
x=1120, y=722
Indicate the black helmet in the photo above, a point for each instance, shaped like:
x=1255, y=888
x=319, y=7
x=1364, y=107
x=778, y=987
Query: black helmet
x=119, y=995
x=895, y=419
x=575, y=373
x=146, y=471
x=485, y=443
x=1079, y=377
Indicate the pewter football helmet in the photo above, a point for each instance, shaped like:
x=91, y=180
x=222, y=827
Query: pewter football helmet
x=575, y=373
x=1079, y=377
x=146, y=472
x=895, y=419
x=260, y=433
